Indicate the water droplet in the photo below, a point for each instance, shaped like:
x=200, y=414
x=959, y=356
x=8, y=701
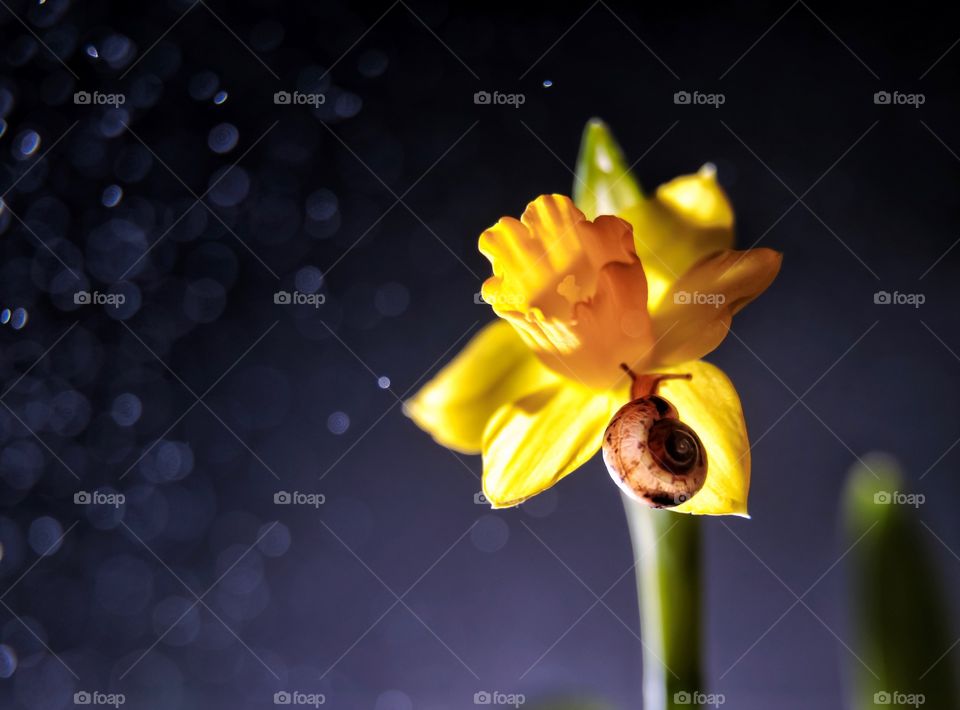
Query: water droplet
x=338, y=423
x=372, y=63
x=547, y=83
x=146, y=91
x=8, y=661
x=112, y=196
x=274, y=540
x=542, y=505
x=19, y=318
x=112, y=122
x=27, y=143
x=220, y=98
x=177, y=621
x=347, y=105
x=133, y=163
x=229, y=186
x=4, y=316
x=126, y=409
x=309, y=279
x=6, y=102
x=393, y=700
x=117, y=50
x=204, y=85
x=223, y=138
x=3, y=127
x=92, y=52
x=124, y=585
x=383, y=382
x=204, y=300
x=321, y=205
x=392, y=299
x=490, y=533
x=267, y=36
x=45, y=535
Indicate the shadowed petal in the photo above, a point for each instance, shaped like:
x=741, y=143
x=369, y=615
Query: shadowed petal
x=709, y=404
x=695, y=315
x=532, y=443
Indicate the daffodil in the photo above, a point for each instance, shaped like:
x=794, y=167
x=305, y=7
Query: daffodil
x=585, y=289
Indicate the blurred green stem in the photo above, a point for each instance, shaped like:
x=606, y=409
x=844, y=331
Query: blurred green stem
x=904, y=649
x=667, y=549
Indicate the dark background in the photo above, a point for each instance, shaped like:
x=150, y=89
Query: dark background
x=297, y=598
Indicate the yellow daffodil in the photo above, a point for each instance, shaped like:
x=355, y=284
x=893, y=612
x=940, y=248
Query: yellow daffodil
x=583, y=287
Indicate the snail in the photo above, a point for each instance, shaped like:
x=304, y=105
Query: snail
x=651, y=455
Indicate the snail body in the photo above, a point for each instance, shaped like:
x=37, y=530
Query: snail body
x=651, y=455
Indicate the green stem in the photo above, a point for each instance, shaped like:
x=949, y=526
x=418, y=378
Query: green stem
x=667, y=549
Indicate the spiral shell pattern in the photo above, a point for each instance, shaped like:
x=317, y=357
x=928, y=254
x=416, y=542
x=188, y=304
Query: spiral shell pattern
x=653, y=456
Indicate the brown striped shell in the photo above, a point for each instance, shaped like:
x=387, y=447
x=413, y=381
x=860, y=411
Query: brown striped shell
x=652, y=456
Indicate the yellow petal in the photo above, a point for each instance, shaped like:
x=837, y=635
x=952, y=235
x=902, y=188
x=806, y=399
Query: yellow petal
x=550, y=244
x=493, y=369
x=698, y=199
x=695, y=315
x=574, y=289
x=709, y=404
x=532, y=443
x=689, y=218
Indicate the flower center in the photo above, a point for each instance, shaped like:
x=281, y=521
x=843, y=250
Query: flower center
x=569, y=289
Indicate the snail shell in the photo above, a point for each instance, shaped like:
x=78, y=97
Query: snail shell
x=653, y=456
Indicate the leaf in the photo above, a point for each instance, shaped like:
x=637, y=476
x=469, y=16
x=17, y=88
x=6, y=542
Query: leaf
x=901, y=621
x=603, y=182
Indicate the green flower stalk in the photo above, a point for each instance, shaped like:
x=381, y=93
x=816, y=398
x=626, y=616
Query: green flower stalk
x=669, y=579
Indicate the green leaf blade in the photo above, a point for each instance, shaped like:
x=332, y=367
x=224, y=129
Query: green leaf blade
x=901, y=619
x=603, y=182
